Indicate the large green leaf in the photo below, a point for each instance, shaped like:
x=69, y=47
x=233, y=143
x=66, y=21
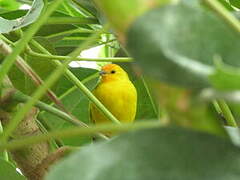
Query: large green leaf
x=174, y=44
x=163, y=153
x=11, y=25
x=8, y=171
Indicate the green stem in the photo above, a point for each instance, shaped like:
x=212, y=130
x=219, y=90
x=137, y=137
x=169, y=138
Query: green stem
x=5, y=154
x=6, y=39
x=9, y=60
x=113, y=59
x=225, y=110
x=71, y=20
x=67, y=9
x=71, y=32
x=78, y=131
x=42, y=89
x=89, y=78
x=224, y=13
x=20, y=97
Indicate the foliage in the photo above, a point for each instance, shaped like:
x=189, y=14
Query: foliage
x=185, y=56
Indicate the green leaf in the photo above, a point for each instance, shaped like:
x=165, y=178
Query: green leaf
x=235, y=3
x=13, y=14
x=225, y=77
x=64, y=37
x=8, y=171
x=178, y=48
x=11, y=25
x=163, y=153
x=68, y=7
x=146, y=106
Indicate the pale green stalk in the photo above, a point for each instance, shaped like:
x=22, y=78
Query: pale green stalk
x=91, y=130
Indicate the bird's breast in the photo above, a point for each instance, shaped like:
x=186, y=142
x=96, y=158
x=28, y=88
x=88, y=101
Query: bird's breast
x=120, y=98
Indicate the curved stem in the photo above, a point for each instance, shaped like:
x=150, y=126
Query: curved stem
x=113, y=59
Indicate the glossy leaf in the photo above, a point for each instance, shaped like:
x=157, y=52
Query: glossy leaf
x=163, y=153
x=177, y=48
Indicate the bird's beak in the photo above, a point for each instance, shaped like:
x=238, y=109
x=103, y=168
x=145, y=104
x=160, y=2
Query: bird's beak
x=102, y=73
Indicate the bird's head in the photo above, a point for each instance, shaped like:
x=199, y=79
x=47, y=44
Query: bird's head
x=112, y=72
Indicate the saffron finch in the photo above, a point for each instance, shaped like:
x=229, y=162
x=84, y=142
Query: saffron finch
x=117, y=93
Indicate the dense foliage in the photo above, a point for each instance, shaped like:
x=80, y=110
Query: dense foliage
x=181, y=55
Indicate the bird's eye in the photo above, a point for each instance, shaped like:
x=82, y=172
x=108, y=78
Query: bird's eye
x=113, y=71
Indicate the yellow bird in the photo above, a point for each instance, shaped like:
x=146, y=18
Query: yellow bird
x=117, y=93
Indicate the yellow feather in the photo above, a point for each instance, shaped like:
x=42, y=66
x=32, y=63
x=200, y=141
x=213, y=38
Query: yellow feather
x=118, y=95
